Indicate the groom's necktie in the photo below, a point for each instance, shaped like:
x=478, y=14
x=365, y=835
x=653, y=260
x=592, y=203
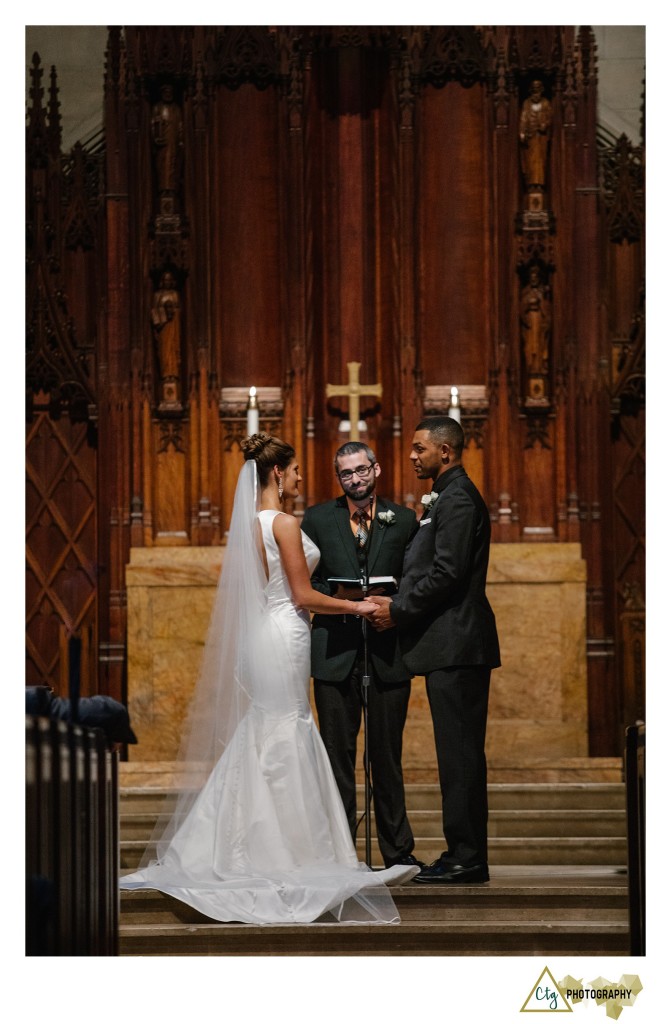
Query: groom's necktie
x=361, y=519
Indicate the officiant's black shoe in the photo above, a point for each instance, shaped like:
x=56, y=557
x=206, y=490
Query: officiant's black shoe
x=408, y=861
x=442, y=872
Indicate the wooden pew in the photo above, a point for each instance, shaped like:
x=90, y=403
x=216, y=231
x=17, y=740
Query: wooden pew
x=634, y=762
x=72, y=866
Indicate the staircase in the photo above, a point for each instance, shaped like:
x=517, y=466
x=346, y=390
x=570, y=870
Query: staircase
x=557, y=855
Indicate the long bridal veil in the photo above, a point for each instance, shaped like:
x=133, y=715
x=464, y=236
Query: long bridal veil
x=257, y=832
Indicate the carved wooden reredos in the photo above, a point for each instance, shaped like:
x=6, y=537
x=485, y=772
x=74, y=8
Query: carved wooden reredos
x=269, y=204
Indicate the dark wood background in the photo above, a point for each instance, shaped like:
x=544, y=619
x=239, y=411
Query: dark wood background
x=345, y=194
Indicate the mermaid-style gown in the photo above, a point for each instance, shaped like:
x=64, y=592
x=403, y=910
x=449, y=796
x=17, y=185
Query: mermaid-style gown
x=267, y=840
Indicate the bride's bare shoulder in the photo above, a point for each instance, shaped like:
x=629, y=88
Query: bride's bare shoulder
x=286, y=525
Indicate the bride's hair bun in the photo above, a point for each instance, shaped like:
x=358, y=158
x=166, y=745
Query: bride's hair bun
x=252, y=447
x=267, y=451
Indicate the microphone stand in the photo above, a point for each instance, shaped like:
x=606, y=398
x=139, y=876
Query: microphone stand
x=365, y=683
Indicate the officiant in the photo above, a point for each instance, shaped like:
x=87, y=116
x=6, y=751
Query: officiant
x=362, y=531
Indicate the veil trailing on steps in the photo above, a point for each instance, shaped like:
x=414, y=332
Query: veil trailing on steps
x=257, y=832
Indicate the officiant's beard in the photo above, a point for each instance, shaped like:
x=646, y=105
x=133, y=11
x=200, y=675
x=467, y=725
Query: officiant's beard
x=359, y=493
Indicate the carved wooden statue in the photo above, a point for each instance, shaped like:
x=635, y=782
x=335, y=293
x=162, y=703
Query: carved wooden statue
x=535, y=326
x=535, y=132
x=168, y=142
x=166, y=323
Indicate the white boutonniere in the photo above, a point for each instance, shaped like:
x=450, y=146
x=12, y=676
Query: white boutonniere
x=429, y=500
x=387, y=518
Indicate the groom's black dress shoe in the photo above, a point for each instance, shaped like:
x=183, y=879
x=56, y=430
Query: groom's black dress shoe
x=442, y=872
x=409, y=861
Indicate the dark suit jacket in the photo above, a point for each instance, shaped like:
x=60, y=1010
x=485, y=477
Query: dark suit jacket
x=336, y=638
x=443, y=615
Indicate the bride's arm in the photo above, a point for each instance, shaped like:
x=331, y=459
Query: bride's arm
x=287, y=533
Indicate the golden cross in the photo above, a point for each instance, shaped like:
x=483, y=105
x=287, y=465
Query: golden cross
x=353, y=389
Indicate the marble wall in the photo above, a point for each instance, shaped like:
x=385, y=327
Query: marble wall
x=538, y=703
x=170, y=593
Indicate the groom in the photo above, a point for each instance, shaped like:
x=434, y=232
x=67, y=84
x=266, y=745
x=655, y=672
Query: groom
x=448, y=633
x=356, y=531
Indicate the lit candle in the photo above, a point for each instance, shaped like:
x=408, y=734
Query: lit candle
x=252, y=413
x=455, y=408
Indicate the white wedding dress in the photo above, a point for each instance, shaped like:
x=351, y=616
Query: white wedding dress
x=267, y=840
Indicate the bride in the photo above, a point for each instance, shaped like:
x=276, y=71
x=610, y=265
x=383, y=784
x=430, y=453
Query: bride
x=259, y=833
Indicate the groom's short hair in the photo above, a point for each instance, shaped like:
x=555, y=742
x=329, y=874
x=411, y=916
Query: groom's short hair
x=444, y=430
x=351, y=448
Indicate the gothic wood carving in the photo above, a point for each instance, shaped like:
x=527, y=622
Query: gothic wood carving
x=622, y=184
x=242, y=54
x=453, y=53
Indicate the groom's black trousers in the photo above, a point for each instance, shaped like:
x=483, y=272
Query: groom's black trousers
x=339, y=708
x=458, y=700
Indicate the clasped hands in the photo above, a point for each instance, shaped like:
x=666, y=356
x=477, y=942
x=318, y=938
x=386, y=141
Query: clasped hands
x=379, y=615
x=375, y=607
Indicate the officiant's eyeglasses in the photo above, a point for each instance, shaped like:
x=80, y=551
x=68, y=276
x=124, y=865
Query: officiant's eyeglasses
x=359, y=471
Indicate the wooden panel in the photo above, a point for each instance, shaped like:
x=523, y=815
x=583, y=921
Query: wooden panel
x=61, y=544
x=245, y=238
x=170, y=515
x=354, y=267
x=537, y=512
x=473, y=461
x=454, y=329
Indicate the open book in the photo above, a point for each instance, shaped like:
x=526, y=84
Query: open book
x=388, y=584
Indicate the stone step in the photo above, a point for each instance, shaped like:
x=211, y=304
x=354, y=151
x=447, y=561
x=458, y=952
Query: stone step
x=426, y=796
x=561, y=770
x=558, y=885
x=439, y=908
x=411, y=938
x=553, y=771
x=557, y=796
x=560, y=823
x=153, y=909
x=502, y=823
x=513, y=894
x=523, y=911
x=610, y=850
